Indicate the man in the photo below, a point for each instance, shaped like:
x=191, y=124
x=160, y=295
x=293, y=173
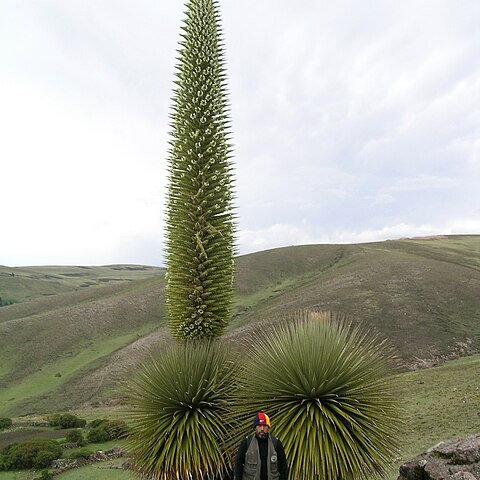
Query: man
x=261, y=456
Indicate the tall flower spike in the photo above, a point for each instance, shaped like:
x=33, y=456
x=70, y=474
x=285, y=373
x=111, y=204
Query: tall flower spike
x=200, y=222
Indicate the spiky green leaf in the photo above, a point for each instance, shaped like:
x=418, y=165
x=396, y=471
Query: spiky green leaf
x=327, y=389
x=180, y=413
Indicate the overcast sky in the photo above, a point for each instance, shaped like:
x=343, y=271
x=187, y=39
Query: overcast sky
x=353, y=121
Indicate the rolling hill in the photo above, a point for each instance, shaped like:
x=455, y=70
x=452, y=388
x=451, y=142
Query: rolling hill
x=75, y=332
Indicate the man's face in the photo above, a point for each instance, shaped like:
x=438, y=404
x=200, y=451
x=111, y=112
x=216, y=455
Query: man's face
x=262, y=431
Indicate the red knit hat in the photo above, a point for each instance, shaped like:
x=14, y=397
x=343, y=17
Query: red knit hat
x=261, y=419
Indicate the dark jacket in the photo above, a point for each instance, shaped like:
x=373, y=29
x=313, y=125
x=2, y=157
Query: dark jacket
x=277, y=469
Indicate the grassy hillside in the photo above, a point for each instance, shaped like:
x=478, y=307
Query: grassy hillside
x=438, y=403
x=19, y=284
x=422, y=294
x=72, y=348
x=50, y=346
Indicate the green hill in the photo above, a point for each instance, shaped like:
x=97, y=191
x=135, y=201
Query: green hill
x=437, y=403
x=76, y=331
x=19, y=284
x=422, y=294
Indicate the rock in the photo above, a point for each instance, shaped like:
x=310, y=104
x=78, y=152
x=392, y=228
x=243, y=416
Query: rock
x=464, y=476
x=63, y=464
x=31, y=423
x=455, y=459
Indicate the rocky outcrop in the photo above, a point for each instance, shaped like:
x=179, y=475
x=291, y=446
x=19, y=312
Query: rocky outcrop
x=63, y=464
x=30, y=423
x=456, y=459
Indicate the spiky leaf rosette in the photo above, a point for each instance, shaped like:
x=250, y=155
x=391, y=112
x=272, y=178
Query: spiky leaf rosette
x=200, y=225
x=181, y=412
x=327, y=390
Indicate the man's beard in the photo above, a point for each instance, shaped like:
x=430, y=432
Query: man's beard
x=262, y=435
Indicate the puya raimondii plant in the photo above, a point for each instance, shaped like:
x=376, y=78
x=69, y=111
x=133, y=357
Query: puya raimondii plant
x=200, y=221
x=179, y=402
x=327, y=385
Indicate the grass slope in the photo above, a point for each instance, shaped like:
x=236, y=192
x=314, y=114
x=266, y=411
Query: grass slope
x=50, y=345
x=71, y=349
x=421, y=294
x=438, y=403
x=25, y=283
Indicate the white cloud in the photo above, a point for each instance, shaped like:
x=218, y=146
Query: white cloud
x=390, y=232
x=279, y=235
x=274, y=236
x=76, y=185
x=352, y=122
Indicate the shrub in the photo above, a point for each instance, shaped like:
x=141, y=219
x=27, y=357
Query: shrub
x=75, y=436
x=102, y=430
x=97, y=435
x=54, y=420
x=66, y=420
x=327, y=387
x=5, y=301
x=46, y=475
x=82, y=453
x=97, y=422
x=44, y=459
x=35, y=453
x=5, y=423
x=3, y=462
x=115, y=428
